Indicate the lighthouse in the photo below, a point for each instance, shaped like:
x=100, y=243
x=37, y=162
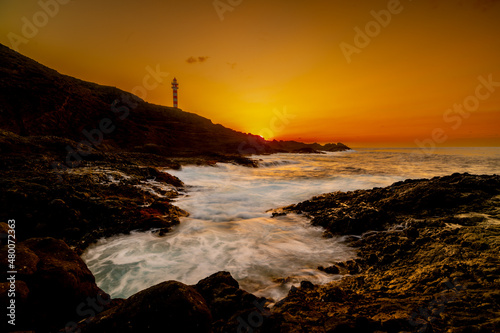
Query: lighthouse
x=175, y=86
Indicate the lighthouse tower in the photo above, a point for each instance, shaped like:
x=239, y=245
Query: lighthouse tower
x=175, y=86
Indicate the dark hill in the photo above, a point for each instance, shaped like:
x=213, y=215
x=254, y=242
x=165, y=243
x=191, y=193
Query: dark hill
x=38, y=101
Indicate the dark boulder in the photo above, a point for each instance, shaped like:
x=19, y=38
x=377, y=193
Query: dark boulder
x=4, y=230
x=233, y=309
x=166, y=307
x=53, y=284
x=330, y=269
x=307, y=150
x=164, y=177
x=26, y=261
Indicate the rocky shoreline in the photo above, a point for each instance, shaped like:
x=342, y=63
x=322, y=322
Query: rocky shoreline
x=81, y=161
x=427, y=261
x=107, y=194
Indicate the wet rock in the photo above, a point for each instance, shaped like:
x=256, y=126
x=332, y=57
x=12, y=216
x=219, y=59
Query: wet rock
x=372, y=259
x=4, y=231
x=352, y=267
x=233, y=309
x=166, y=307
x=397, y=325
x=155, y=174
x=52, y=284
x=431, y=269
x=411, y=232
x=330, y=269
x=306, y=285
x=21, y=292
x=277, y=214
x=307, y=150
x=85, y=205
x=334, y=294
x=363, y=210
x=26, y=261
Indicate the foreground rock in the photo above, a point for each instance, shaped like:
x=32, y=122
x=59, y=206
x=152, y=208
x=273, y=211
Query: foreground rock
x=431, y=266
x=215, y=304
x=53, y=285
x=233, y=309
x=84, y=204
x=427, y=262
x=55, y=292
x=359, y=211
x=166, y=307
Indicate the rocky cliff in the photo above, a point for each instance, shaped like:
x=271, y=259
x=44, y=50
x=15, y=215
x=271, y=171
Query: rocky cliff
x=38, y=101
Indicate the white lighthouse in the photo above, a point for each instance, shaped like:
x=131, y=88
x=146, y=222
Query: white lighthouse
x=175, y=86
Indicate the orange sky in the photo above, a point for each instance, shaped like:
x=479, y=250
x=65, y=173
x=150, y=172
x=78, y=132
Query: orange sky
x=279, y=68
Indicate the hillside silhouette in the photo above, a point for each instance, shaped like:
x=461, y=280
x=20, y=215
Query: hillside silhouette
x=38, y=101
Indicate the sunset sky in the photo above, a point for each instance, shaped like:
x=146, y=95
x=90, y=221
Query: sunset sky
x=303, y=70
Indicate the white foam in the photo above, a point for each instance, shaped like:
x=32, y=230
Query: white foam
x=229, y=229
x=157, y=188
x=256, y=251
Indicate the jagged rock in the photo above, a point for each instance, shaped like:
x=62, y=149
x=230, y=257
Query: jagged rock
x=330, y=269
x=53, y=283
x=431, y=267
x=86, y=205
x=26, y=260
x=164, y=177
x=306, y=285
x=166, y=307
x=4, y=231
x=359, y=211
x=233, y=309
x=307, y=150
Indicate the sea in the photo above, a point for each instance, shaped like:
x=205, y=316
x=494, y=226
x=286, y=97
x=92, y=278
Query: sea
x=230, y=227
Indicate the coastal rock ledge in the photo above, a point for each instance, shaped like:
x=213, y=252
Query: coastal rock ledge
x=428, y=261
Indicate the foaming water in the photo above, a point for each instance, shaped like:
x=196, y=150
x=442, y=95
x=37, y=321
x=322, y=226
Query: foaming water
x=230, y=227
x=265, y=255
